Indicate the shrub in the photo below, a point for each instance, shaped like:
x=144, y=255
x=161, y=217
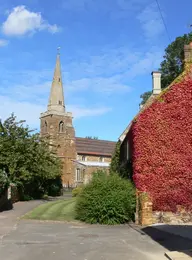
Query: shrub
x=76, y=192
x=4, y=182
x=106, y=200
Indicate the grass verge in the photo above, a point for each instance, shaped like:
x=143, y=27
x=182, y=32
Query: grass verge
x=61, y=210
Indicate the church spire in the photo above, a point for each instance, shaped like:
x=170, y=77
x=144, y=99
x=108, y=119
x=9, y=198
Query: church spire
x=56, y=99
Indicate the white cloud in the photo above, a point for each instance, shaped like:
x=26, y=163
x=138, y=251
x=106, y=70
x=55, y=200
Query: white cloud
x=79, y=111
x=102, y=85
x=23, y=110
x=151, y=22
x=30, y=111
x=147, y=64
x=21, y=21
x=3, y=42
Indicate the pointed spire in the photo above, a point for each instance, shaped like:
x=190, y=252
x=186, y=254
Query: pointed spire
x=56, y=99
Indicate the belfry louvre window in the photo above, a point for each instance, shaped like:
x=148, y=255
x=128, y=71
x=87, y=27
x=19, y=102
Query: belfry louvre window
x=61, y=127
x=45, y=126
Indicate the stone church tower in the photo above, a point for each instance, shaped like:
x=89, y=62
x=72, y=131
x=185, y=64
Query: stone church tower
x=56, y=124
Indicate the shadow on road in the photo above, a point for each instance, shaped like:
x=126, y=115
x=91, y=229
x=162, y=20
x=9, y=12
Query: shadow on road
x=180, y=241
x=8, y=205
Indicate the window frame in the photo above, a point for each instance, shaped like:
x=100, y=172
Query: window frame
x=61, y=127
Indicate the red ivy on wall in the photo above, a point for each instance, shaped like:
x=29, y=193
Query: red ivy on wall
x=162, y=154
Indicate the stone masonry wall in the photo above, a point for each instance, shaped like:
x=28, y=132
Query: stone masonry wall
x=63, y=142
x=89, y=172
x=94, y=158
x=145, y=215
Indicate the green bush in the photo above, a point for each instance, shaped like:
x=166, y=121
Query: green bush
x=76, y=192
x=4, y=182
x=106, y=200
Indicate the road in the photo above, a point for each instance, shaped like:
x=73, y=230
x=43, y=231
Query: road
x=35, y=240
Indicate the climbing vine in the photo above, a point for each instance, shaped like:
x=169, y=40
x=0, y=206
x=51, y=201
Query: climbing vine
x=162, y=155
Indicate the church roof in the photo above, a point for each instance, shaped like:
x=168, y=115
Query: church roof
x=94, y=146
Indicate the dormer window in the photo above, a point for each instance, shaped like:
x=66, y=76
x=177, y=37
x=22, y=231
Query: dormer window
x=61, y=127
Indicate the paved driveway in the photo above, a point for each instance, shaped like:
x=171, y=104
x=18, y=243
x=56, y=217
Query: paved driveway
x=36, y=241
x=33, y=240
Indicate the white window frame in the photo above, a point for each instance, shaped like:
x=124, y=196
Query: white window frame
x=78, y=175
x=83, y=156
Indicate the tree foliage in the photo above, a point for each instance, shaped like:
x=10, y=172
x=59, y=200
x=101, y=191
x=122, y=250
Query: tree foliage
x=107, y=199
x=26, y=158
x=173, y=63
x=115, y=160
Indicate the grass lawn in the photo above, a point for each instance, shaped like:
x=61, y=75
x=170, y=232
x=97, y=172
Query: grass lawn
x=62, y=210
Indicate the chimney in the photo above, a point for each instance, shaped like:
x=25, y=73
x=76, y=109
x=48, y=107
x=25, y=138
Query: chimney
x=188, y=53
x=156, y=77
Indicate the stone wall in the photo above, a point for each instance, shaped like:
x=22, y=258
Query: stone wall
x=61, y=140
x=90, y=170
x=94, y=158
x=145, y=215
x=180, y=217
x=144, y=211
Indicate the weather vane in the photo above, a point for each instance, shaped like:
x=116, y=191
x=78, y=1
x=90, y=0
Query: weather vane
x=58, y=50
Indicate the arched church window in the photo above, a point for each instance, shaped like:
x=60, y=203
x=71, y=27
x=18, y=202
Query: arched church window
x=61, y=127
x=45, y=126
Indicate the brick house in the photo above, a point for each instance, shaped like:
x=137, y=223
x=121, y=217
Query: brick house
x=158, y=144
x=79, y=156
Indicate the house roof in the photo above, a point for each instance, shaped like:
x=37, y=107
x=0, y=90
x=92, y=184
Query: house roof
x=153, y=97
x=147, y=104
x=94, y=146
x=93, y=164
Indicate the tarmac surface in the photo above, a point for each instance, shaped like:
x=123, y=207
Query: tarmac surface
x=36, y=240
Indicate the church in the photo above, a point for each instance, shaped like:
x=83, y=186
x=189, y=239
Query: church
x=80, y=157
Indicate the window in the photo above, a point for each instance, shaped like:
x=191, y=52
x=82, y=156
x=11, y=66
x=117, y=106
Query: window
x=59, y=80
x=101, y=159
x=60, y=102
x=78, y=174
x=61, y=127
x=45, y=126
x=83, y=158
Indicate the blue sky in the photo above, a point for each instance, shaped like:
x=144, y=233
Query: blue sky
x=108, y=50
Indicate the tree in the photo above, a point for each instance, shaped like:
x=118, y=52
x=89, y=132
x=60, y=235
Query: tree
x=115, y=161
x=25, y=157
x=173, y=64
x=145, y=97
